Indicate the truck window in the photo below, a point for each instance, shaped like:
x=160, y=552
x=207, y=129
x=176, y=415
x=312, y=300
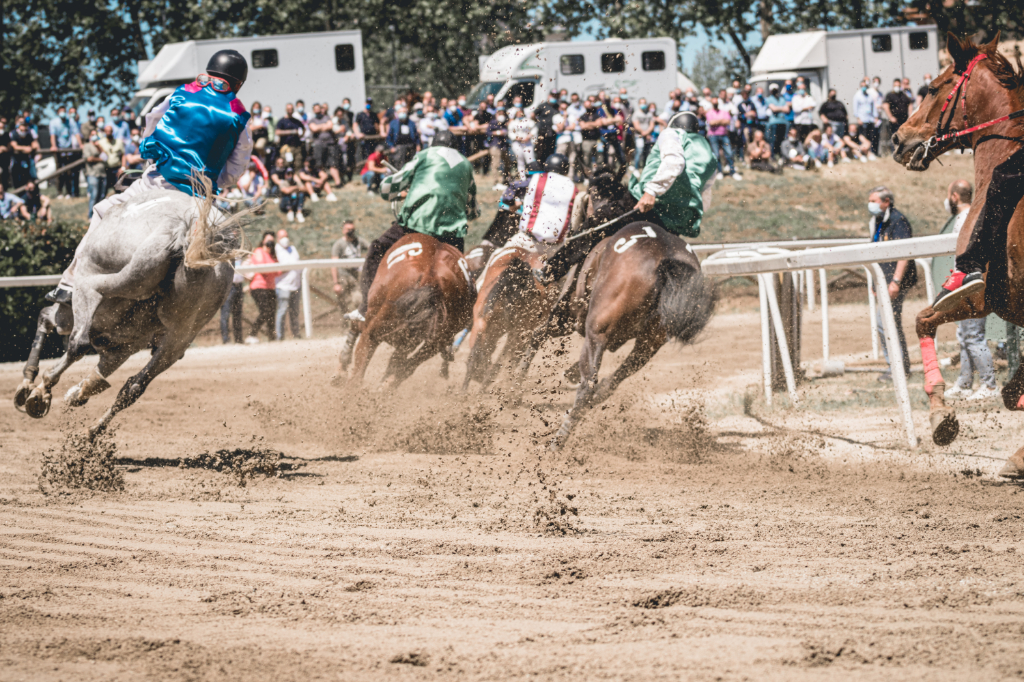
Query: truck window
x=613, y=62
x=653, y=61
x=919, y=41
x=264, y=59
x=571, y=64
x=881, y=43
x=344, y=58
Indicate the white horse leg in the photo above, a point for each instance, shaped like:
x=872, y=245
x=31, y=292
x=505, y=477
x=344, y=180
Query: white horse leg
x=96, y=382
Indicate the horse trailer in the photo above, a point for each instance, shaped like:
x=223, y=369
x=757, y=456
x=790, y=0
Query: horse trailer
x=314, y=67
x=645, y=67
x=840, y=59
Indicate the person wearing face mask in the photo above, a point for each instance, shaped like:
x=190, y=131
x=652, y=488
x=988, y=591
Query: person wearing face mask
x=286, y=287
x=803, y=110
x=896, y=106
x=366, y=126
x=201, y=128
x=63, y=136
x=888, y=224
x=258, y=129
x=547, y=138
x=402, y=139
x=113, y=150
x=865, y=113
x=974, y=353
x=95, y=172
x=497, y=140
x=881, y=121
x=922, y=91
x=261, y=287
x=833, y=112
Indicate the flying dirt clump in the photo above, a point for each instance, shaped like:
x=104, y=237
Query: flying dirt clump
x=242, y=464
x=468, y=430
x=82, y=462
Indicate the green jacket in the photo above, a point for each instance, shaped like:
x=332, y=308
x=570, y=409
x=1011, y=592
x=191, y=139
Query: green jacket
x=680, y=166
x=442, y=192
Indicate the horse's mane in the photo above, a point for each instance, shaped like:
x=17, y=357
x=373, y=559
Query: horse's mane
x=1010, y=76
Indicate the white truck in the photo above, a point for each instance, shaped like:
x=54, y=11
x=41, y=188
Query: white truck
x=313, y=67
x=645, y=67
x=840, y=59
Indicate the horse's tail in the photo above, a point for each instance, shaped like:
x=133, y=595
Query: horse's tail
x=212, y=238
x=418, y=312
x=686, y=299
x=513, y=283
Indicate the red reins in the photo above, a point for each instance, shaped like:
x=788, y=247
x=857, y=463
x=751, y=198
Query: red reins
x=965, y=80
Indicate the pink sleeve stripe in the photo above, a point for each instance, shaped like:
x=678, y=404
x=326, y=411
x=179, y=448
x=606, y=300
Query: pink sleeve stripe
x=237, y=107
x=193, y=87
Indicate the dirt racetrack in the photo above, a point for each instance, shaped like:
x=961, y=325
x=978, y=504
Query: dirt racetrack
x=687, y=531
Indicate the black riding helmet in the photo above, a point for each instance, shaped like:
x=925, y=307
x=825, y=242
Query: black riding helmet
x=557, y=163
x=444, y=139
x=686, y=120
x=229, y=65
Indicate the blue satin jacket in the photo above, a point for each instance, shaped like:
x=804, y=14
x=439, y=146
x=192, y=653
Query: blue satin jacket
x=199, y=130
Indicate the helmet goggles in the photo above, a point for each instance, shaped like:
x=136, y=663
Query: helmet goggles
x=218, y=84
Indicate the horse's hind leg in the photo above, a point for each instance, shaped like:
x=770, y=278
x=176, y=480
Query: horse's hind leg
x=590, y=364
x=643, y=350
x=409, y=364
x=165, y=355
x=111, y=358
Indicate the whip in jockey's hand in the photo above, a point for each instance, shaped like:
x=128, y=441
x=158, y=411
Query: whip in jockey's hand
x=646, y=202
x=201, y=128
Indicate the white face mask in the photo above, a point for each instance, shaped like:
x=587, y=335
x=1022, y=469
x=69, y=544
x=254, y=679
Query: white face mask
x=875, y=208
x=950, y=208
x=284, y=242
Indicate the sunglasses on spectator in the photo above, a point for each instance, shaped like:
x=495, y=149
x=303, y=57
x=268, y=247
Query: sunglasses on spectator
x=218, y=84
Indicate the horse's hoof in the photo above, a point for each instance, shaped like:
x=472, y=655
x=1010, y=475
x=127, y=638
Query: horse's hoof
x=1014, y=467
x=945, y=427
x=37, y=405
x=339, y=379
x=73, y=398
x=21, y=395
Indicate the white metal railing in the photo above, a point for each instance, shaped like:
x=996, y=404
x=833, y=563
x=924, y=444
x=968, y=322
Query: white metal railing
x=764, y=262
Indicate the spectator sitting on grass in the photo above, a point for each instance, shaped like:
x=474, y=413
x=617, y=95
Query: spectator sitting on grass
x=833, y=143
x=315, y=180
x=11, y=206
x=759, y=154
x=252, y=186
x=794, y=154
x=855, y=144
x=374, y=169
x=37, y=203
x=817, y=150
x=293, y=196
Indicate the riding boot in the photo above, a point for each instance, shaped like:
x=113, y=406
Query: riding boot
x=989, y=236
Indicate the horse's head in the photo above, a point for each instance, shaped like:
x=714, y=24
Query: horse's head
x=916, y=142
x=608, y=195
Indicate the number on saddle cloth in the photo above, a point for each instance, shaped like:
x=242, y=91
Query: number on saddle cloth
x=410, y=250
x=624, y=243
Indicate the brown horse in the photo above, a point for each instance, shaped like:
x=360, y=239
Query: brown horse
x=641, y=283
x=510, y=303
x=978, y=90
x=420, y=299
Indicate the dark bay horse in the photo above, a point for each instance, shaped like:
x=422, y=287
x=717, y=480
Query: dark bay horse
x=641, y=283
x=421, y=298
x=978, y=90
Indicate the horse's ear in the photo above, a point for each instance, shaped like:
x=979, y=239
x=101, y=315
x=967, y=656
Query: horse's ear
x=621, y=172
x=958, y=51
x=992, y=45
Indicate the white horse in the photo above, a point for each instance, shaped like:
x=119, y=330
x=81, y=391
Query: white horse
x=151, y=274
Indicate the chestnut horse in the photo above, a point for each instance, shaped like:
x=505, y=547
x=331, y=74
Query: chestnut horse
x=420, y=299
x=511, y=303
x=980, y=86
x=641, y=283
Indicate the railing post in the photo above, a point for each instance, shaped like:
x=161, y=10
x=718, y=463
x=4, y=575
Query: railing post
x=873, y=313
x=824, y=314
x=780, y=336
x=892, y=343
x=766, y=342
x=929, y=282
x=809, y=278
x=307, y=312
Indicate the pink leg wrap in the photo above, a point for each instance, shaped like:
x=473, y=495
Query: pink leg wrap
x=1020, y=403
x=932, y=375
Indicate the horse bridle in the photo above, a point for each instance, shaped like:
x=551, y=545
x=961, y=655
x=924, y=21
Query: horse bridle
x=943, y=131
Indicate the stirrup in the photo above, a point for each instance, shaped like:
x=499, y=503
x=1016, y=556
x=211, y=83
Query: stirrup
x=354, y=316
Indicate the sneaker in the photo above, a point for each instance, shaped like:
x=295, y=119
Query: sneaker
x=737, y=176
x=314, y=198
x=958, y=392
x=299, y=218
x=956, y=288
x=354, y=316
x=846, y=159
x=719, y=176
x=277, y=200
x=884, y=378
x=872, y=157
x=498, y=187
x=799, y=166
x=831, y=164
x=985, y=393
x=863, y=159
x=291, y=216
x=251, y=340
x=331, y=197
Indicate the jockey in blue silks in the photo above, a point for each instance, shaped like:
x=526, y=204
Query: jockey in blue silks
x=202, y=127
